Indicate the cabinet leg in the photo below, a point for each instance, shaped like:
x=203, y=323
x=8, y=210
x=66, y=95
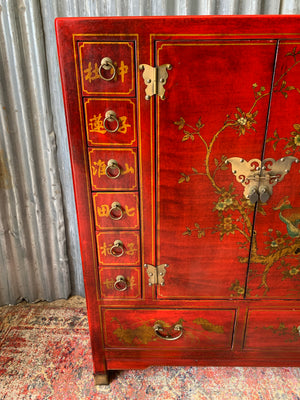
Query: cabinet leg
x=101, y=379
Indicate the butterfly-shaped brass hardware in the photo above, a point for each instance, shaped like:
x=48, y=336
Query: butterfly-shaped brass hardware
x=258, y=177
x=156, y=274
x=155, y=79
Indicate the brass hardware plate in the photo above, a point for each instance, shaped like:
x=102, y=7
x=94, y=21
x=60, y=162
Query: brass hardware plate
x=117, y=249
x=107, y=64
x=120, y=283
x=177, y=328
x=111, y=116
x=155, y=79
x=156, y=274
x=258, y=177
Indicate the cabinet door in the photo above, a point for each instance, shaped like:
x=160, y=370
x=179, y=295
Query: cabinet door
x=275, y=268
x=216, y=107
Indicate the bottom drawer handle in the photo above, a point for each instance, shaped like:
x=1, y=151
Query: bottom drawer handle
x=158, y=328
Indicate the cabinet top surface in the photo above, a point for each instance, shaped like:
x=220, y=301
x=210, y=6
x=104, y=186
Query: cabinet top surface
x=210, y=25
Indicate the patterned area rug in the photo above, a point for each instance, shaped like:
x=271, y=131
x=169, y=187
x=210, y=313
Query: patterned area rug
x=45, y=354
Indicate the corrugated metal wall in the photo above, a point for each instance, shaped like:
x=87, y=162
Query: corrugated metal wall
x=39, y=249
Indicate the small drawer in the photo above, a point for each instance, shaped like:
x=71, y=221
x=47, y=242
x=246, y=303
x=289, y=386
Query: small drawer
x=107, y=68
x=118, y=248
x=113, y=169
x=110, y=122
x=116, y=210
x=273, y=330
x=120, y=282
x=198, y=329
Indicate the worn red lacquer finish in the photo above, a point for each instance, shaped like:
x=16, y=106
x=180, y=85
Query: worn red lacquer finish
x=184, y=138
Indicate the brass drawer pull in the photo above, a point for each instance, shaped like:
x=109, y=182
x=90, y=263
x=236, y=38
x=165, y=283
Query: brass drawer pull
x=117, y=249
x=107, y=64
x=111, y=116
x=120, y=283
x=298, y=329
x=158, y=328
x=116, y=211
x=112, y=170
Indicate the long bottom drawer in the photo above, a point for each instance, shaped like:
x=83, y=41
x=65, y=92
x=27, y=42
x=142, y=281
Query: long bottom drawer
x=142, y=328
x=273, y=330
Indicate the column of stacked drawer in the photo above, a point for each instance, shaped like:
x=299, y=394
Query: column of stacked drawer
x=109, y=103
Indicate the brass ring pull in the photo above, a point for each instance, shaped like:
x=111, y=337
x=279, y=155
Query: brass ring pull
x=158, y=328
x=120, y=283
x=107, y=64
x=112, y=171
x=116, y=211
x=111, y=116
x=117, y=249
x=298, y=329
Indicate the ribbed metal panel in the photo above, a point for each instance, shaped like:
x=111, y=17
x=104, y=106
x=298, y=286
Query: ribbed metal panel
x=34, y=261
x=39, y=250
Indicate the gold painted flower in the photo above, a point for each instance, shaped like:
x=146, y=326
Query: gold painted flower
x=291, y=273
x=294, y=141
x=228, y=224
x=226, y=200
x=297, y=140
x=294, y=271
x=245, y=121
x=278, y=242
x=220, y=206
x=237, y=288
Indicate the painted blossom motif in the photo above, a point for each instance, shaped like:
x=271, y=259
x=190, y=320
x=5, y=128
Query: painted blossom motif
x=293, y=142
x=291, y=273
x=237, y=288
x=245, y=121
x=226, y=201
x=277, y=240
x=226, y=227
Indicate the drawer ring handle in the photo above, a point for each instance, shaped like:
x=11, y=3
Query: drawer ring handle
x=117, y=249
x=120, y=283
x=116, y=211
x=112, y=165
x=158, y=328
x=111, y=116
x=107, y=64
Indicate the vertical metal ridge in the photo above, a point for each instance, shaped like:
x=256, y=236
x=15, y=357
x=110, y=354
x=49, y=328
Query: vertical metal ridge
x=33, y=241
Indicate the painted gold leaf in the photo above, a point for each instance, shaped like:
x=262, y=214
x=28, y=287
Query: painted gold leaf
x=143, y=334
x=208, y=326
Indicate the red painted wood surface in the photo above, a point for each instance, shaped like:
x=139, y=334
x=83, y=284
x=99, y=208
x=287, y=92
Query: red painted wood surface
x=108, y=278
x=201, y=328
x=203, y=216
x=273, y=329
x=128, y=255
x=122, y=57
x=96, y=124
x=275, y=268
x=108, y=216
x=221, y=100
x=127, y=168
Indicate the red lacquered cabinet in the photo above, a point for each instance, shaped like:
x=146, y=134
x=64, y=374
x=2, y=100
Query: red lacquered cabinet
x=184, y=137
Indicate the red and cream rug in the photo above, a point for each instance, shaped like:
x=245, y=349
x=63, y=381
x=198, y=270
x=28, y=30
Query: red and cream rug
x=45, y=354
